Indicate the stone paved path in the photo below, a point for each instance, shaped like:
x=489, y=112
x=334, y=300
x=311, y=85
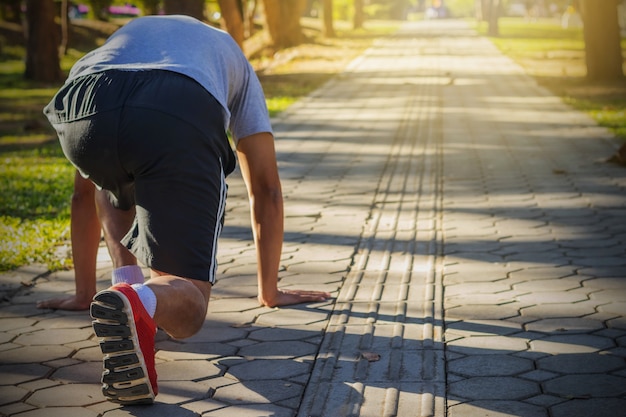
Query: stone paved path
x=463, y=219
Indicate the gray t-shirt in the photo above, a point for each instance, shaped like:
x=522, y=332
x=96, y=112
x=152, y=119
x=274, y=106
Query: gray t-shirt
x=187, y=46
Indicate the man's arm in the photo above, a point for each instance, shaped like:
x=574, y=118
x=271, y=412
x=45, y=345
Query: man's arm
x=257, y=159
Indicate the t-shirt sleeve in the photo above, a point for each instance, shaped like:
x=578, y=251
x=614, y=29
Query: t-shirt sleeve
x=248, y=108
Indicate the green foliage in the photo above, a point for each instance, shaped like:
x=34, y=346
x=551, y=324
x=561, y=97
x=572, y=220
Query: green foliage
x=23, y=242
x=610, y=113
x=36, y=180
x=35, y=184
x=36, y=187
x=519, y=37
x=98, y=8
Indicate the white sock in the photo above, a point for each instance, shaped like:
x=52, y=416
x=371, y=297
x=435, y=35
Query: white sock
x=130, y=274
x=147, y=297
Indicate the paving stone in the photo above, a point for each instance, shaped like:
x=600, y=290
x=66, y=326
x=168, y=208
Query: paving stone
x=489, y=365
x=559, y=284
x=172, y=351
x=15, y=408
x=565, y=325
x=60, y=412
x=545, y=400
x=17, y=374
x=291, y=316
x=15, y=323
x=38, y=384
x=11, y=394
x=543, y=273
x=484, y=328
x=560, y=311
x=539, y=375
x=569, y=344
x=485, y=312
x=53, y=337
x=278, y=350
x=67, y=395
x=553, y=297
x=453, y=289
x=488, y=345
x=476, y=299
x=597, y=407
x=494, y=388
x=277, y=334
x=258, y=392
x=262, y=369
x=496, y=409
x=586, y=386
x=183, y=370
x=35, y=354
x=255, y=410
x=88, y=372
x=581, y=363
x=181, y=391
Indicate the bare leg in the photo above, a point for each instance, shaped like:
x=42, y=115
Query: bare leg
x=85, y=236
x=181, y=303
x=115, y=224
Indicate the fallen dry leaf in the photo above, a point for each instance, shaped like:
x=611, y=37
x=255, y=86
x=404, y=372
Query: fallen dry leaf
x=370, y=356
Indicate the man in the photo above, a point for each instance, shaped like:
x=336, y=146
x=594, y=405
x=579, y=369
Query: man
x=145, y=118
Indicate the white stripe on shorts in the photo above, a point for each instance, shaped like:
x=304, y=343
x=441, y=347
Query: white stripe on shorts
x=218, y=224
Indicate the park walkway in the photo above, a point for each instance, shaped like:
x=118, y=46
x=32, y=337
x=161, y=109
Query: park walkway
x=464, y=220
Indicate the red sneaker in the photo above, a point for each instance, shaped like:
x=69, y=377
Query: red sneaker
x=127, y=342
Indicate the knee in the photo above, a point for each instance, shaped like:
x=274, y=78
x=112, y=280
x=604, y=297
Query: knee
x=188, y=329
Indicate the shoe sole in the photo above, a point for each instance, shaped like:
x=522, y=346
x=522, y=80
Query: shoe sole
x=125, y=377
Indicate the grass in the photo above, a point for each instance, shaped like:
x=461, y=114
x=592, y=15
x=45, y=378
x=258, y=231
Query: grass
x=36, y=181
x=35, y=177
x=556, y=58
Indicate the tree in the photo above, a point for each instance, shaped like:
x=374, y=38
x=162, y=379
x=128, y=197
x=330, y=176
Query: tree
x=359, y=15
x=603, y=52
x=283, y=21
x=42, y=44
x=193, y=8
x=495, y=9
x=65, y=27
x=232, y=13
x=327, y=15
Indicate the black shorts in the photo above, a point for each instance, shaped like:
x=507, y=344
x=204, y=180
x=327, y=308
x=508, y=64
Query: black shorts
x=155, y=140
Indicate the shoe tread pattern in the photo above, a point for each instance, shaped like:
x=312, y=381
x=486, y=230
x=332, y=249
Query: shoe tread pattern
x=124, y=379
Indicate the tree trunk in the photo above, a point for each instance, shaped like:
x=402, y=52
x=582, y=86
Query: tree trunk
x=494, y=15
x=291, y=11
x=249, y=19
x=65, y=28
x=603, y=52
x=327, y=15
x=42, y=44
x=193, y=8
x=283, y=22
x=233, y=19
x=359, y=15
x=271, y=9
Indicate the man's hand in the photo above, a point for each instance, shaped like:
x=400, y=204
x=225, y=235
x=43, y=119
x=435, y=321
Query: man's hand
x=71, y=302
x=289, y=297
